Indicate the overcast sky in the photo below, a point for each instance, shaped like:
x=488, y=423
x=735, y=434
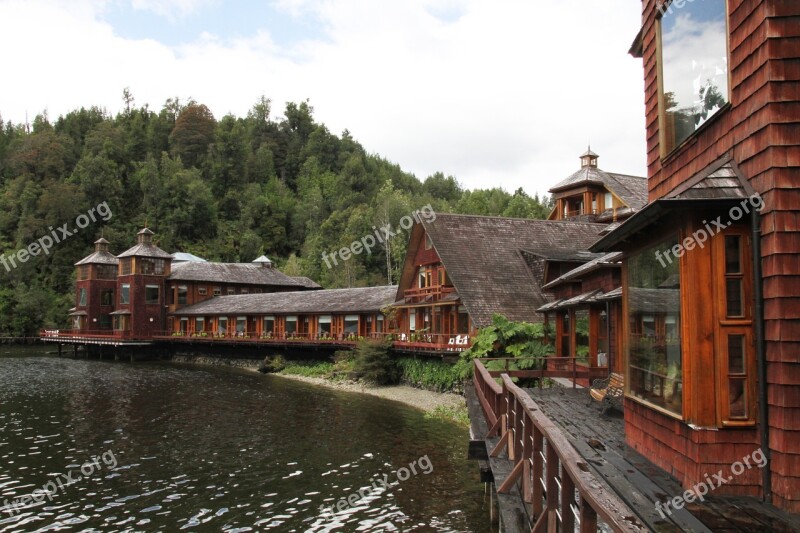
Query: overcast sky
x=495, y=92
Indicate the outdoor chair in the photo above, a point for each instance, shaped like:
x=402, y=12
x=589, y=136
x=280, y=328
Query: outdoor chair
x=610, y=391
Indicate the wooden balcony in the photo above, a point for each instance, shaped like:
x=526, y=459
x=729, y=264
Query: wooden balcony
x=427, y=294
x=555, y=488
x=97, y=337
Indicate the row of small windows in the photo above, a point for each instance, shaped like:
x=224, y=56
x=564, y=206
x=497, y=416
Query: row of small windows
x=152, y=294
x=146, y=266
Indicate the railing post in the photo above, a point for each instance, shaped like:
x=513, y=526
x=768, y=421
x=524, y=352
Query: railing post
x=567, y=497
x=538, y=471
x=588, y=518
x=552, y=480
x=574, y=371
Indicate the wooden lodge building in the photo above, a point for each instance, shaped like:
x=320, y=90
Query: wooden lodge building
x=710, y=271
x=131, y=295
x=686, y=283
x=441, y=300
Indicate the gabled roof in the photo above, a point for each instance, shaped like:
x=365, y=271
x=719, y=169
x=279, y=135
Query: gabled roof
x=484, y=259
x=179, y=257
x=101, y=255
x=611, y=260
x=359, y=300
x=244, y=273
x=99, y=258
x=307, y=282
x=145, y=249
x=718, y=186
x=724, y=181
x=630, y=189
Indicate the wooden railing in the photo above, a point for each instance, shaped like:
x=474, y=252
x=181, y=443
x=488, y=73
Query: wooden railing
x=557, y=487
x=86, y=333
x=255, y=336
x=549, y=367
x=418, y=293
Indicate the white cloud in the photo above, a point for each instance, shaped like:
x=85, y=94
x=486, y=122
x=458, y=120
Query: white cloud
x=501, y=93
x=171, y=9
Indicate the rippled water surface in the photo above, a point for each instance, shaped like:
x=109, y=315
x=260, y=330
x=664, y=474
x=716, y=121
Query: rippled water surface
x=151, y=446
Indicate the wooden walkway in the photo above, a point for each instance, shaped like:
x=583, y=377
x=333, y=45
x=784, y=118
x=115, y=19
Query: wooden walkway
x=600, y=440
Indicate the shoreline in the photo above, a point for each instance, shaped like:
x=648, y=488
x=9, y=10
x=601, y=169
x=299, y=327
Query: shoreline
x=424, y=400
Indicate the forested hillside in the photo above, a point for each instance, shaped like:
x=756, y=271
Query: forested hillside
x=226, y=189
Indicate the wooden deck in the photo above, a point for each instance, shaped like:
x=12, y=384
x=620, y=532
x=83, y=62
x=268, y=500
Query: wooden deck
x=600, y=440
x=426, y=344
x=541, y=481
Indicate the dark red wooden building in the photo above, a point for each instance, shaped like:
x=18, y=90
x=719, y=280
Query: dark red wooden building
x=711, y=275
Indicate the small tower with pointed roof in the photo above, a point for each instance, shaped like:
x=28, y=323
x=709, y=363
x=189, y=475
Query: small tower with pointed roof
x=141, y=288
x=96, y=284
x=589, y=159
x=593, y=195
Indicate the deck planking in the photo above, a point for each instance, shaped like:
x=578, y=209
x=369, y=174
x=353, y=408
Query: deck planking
x=601, y=441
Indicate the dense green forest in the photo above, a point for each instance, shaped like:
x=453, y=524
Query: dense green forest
x=227, y=190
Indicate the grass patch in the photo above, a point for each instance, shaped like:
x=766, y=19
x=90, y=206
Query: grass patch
x=309, y=369
x=432, y=374
x=450, y=413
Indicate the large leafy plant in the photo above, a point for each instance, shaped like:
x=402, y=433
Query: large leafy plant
x=523, y=341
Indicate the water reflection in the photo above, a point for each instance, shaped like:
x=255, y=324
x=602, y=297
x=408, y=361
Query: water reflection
x=203, y=449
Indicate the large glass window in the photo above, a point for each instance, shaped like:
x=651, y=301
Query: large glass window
x=82, y=296
x=222, y=325
x=183, y=294
x=654, y=344
x=199, y=324
x=150, y=266
x=106, y=271
x=83, y=272
x=125, y=266
x=107, y=297
x=325, y=324
x=694, y=67
x=291, y=324
x=463, y=320
x=566, y=333
x=602, y=339
x=582, y=334
x=241, y=324
x=125, y=293
x=151, y=294
x=269, y=325
x=351, y=324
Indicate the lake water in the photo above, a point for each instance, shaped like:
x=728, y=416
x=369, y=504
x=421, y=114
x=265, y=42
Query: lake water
x=112, y=446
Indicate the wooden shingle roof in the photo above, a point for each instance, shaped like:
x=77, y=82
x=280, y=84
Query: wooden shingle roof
x=484, y=259
x=630, y=189
x=243, y=273
x=358, y=300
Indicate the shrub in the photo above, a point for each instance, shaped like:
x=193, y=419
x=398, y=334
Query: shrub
x=433, y=374
x=273, y=364
x=372, y=363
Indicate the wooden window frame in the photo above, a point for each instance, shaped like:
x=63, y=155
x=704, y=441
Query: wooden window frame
x=665, y=154
x=725, y=326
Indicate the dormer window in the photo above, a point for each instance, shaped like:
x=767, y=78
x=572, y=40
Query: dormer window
x=693, y=64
